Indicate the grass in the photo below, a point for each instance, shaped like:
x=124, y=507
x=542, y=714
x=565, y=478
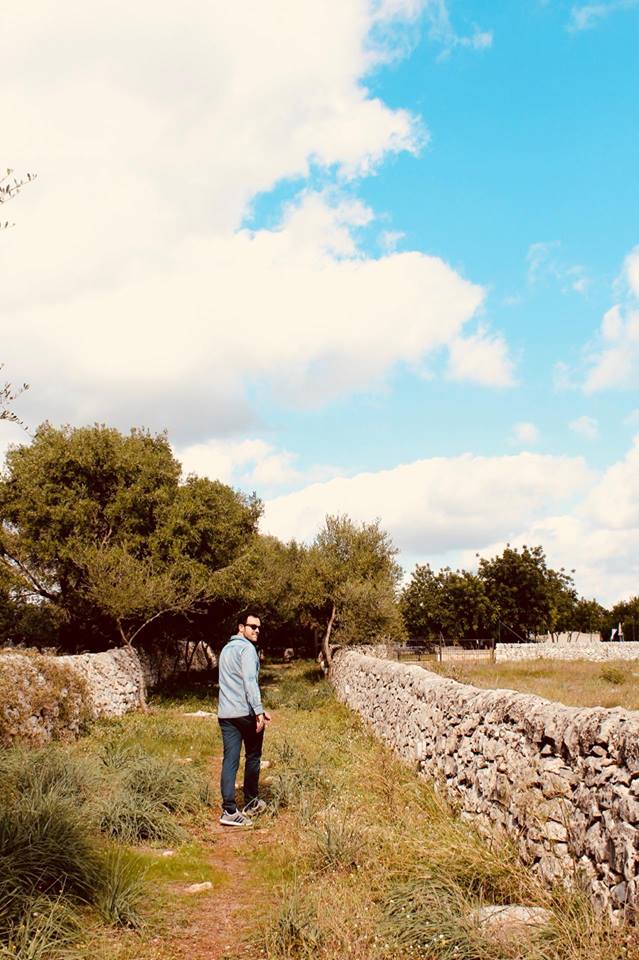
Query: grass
x=576, y=683
x=369, y=862
x=357, y=857
x=72, y=818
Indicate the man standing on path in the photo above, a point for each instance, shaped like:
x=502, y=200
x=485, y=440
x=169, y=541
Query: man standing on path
x=242, y=720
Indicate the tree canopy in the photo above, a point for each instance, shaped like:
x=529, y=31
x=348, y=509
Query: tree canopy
x=515, y=593
x=98, y=525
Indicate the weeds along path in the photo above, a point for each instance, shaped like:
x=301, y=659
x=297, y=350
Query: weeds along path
x=357, y=858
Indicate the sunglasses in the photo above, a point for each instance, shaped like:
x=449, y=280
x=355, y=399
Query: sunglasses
x=251, y=626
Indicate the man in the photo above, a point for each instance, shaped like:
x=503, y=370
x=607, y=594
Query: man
x=242, y=720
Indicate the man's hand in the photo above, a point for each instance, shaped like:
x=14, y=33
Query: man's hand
x=261, y=720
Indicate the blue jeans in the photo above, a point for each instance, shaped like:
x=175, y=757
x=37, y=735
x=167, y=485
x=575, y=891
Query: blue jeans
x=235, y=732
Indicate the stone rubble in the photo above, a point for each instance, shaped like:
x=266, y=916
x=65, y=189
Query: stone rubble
x=562, y=781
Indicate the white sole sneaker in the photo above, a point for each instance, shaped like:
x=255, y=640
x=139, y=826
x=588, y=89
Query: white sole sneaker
x=236, y=819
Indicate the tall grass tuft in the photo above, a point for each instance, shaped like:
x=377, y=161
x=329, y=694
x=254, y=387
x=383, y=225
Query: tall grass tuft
x=431, y=917
x=339, y=841
x=46, y=845
x=295, y=778
x=46, y=930
x=131, y=818
x=294, y=933
x=149, y=791
x=121, y=888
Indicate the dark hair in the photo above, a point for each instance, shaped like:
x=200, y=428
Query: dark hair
x=246, y=614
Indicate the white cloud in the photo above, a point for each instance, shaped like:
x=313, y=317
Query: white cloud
x=388, y=240
x=614, y=359
x=614, y=503
x=441, y=30
x=297, y=308
x=244, y=462
x=445, y=510
x=598, y=538
x=586, y=427
x=151, y=133
x=250, y=464
x=481, y=358
x=588, y=15
x=631, y=271
x=525, y=433
x=436, y=505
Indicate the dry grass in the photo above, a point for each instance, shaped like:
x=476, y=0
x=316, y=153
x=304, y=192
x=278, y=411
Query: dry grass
x=372, y=864
x=576, y=683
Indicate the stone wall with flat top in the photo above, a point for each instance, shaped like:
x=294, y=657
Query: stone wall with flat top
x=596, y=650
x=563, y=782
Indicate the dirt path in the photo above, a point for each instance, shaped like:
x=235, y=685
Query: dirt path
x=223, y=918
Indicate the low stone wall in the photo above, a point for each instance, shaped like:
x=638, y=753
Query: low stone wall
x=48, y=697
x=562, y=781
x=115, y=680
x=41, y=699
x=596, y=650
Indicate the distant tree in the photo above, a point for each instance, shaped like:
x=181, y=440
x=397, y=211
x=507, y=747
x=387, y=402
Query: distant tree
x=349, y=583
x=451, y=602
x=589, y=616
x=421, y=602
x=562, y=602
x=528, y=596
x=626, y=613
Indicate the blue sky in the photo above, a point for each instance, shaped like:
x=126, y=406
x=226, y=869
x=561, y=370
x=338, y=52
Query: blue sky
x=371, y=256
x=532, y=141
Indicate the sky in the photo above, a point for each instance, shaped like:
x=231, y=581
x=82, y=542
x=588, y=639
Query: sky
x=374, y=257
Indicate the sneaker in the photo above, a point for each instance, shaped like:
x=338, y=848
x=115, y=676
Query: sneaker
x=236, y=819
x=254, y=808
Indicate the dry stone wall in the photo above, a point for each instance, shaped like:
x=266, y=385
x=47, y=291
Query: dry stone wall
x=563, y=782
x=48, y=697
x=115, y=680
x=596, y=650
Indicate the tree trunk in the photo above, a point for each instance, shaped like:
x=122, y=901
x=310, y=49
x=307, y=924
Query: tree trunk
x=326, y=643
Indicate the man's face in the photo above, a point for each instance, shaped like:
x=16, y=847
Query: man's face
x=251, y=629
